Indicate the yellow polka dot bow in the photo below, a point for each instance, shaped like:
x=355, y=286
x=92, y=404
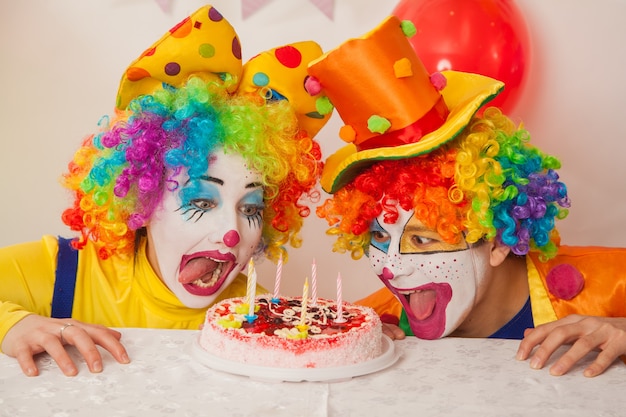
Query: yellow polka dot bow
x=205, y=45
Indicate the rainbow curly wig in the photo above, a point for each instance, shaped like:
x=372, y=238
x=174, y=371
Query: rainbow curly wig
x=488, y=183
x=119, y=175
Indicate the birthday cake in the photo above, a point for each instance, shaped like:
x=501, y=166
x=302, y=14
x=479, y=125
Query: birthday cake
x=280, y=335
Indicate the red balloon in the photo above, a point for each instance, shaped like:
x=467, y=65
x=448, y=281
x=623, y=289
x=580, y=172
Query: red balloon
x=487, y=37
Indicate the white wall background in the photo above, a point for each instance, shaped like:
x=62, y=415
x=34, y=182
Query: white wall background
x=61, y=60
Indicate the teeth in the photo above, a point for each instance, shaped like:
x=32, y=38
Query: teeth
x=406, y=294
x=203, y=284
x=215, y=276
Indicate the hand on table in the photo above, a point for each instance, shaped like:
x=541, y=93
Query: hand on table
x=584, y=334
x=393, y=331
x=35, y=334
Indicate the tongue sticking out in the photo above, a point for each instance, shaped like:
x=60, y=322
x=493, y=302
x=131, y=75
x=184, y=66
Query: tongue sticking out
x=196, y=268
x=423, y=303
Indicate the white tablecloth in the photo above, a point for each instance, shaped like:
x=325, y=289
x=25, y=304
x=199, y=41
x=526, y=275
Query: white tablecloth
x=448, y=377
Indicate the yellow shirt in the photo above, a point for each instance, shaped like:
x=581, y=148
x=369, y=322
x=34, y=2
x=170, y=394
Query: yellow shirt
x=117, y=292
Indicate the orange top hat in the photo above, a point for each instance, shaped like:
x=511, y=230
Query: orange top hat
x=392, y=108
x=205, y=45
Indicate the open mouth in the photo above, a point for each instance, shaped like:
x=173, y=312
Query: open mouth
x=425, y=307
x=204, y=273
x=421, y=302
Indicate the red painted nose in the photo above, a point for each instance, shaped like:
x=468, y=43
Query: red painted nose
x=231, y=238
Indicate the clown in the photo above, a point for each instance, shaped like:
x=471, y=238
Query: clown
x=456, y=211
x=205, y=164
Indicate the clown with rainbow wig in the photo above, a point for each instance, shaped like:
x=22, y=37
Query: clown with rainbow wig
x=456, y=210
x=205, y=163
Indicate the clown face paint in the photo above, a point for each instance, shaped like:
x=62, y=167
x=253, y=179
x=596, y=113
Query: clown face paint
x=205, y=232
x=436, y=282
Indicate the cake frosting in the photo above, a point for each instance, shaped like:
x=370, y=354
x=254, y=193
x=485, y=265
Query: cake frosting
x=280, y=336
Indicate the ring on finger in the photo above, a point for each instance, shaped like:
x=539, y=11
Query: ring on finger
x=65, y=326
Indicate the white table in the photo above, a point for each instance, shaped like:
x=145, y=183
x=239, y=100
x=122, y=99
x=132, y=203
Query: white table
x=448, y=377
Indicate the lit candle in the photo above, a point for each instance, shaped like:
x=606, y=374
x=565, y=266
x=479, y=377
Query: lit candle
x=339, y=318
x=279, y=273
x=314, y=283
x=305, y=296
x=251, y=289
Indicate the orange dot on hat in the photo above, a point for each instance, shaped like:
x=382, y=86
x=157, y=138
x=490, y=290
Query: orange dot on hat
x=402, y=68
x=182, y=29
x=347, y=133
x=288, y=56
x=136, y=73
x=148, y=52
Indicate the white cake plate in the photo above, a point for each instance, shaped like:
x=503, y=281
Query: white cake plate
x=333, y=374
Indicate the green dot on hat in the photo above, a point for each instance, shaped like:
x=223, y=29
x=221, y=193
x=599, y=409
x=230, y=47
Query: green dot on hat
x=206, y=50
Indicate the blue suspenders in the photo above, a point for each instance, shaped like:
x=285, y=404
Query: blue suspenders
x=65, y=283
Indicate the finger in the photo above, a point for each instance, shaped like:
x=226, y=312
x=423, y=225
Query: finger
x=398, y=333
x=393, y=332
x=56, y=350
x=532, y=339
x=525, y=347
x=579, y=350
x=601, y=364
x=609, y=354
x=78, y=337
x=558, y=337
x=537, y=334
x=388, y=332
x=117, y=335
x=27, y=362
x=109, y=339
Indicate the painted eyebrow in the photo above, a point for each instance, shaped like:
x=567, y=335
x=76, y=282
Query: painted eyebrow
x=206, y=178
x=221, y=182
x=417, y=229
x=212, y=179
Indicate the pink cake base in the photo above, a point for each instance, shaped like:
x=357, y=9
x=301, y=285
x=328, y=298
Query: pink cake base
x=269, y=340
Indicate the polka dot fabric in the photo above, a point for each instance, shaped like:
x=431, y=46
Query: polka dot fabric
x=206, y=45
x=281, y=73
x=203, y=44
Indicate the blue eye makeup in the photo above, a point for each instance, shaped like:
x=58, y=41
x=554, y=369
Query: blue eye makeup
x=252, y=206
x=379, y=237
x=202, y=195
x=197, y=198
